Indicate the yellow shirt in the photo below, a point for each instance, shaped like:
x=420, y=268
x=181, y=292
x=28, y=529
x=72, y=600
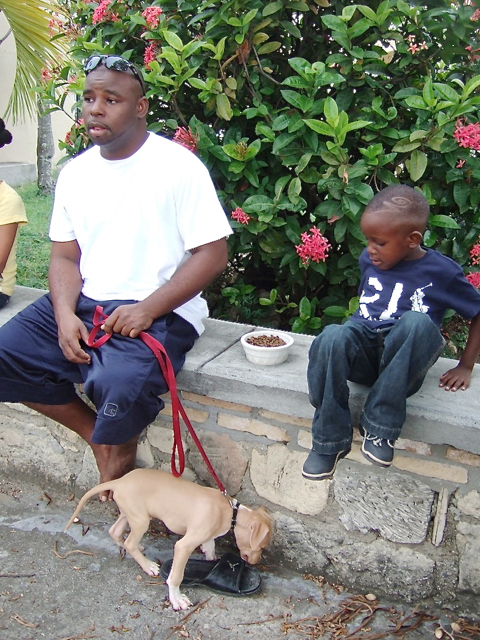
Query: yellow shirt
x=12, y=209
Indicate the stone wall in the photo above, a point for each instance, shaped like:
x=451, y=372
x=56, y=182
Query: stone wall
x=411, y=531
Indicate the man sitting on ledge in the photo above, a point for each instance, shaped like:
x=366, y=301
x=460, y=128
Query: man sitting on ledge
x=136, y=228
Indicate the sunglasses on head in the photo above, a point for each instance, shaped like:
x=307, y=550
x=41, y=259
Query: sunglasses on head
x=117, y=63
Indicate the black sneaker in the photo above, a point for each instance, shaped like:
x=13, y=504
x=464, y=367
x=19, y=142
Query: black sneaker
x=377, y=450
x=320, y=467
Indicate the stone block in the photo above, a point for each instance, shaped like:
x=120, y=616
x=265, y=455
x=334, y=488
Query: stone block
x=462, y=457
x=469, y=504
x=195, y=415
x=277, y=476
x=397, y=506
x=211, y=402
x=89, y=475
x=255, y=427
x=385, y=568
x=227, y=457
x=160, y=436
x=468, y=543
x=438, y=470
x=281, y=417
x=145, y=457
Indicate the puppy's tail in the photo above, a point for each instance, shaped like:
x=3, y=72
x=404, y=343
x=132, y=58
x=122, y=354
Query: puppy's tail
x=105, y=486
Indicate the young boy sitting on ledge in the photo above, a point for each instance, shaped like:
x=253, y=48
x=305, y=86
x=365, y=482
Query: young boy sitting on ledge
x=392, y=339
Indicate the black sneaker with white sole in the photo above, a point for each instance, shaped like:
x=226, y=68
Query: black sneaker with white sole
x=320, y=467
x=377, y=450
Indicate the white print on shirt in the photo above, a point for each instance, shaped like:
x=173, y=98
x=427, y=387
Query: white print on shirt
x=364, y=300
x=417, y=300
x=392, y=307
x=393, y=302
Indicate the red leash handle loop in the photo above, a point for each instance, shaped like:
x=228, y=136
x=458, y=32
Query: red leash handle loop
x=98, y=319
x=166, y=367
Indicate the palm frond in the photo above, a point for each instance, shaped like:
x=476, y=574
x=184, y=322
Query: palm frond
x=29, y=21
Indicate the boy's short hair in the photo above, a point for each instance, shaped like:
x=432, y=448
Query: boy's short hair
x=404, y=203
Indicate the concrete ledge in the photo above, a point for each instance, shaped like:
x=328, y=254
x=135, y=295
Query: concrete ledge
x=17, y=173
x=216, y=367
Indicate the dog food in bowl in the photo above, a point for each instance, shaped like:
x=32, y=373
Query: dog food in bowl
x=266, y=347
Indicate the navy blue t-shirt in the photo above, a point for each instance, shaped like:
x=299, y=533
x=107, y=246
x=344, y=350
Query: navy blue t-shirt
x=432, y=284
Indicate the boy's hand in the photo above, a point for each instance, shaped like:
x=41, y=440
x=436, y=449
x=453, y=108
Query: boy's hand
x=457, y=378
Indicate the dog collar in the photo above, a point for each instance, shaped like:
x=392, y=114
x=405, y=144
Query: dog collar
x=235, y=505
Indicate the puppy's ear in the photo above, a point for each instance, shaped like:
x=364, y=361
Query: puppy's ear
x=258, y=533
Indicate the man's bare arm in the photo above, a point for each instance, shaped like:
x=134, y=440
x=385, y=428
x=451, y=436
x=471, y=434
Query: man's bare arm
x=65, y=284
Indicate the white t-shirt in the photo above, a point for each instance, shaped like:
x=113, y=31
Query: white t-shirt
x=136, y=219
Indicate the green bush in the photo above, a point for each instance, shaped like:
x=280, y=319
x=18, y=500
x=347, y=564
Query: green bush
x=302, y=111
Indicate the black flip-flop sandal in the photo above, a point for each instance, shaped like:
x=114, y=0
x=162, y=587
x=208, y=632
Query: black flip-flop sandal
x=230, y=575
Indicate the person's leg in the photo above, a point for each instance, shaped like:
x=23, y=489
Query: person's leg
x=4, y=299
x=124, y=380
x=113, y=461
x=339, y=353
x=411, y=347
x=34, y=372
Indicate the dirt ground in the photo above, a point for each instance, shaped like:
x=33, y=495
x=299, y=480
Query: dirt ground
x=75, y=586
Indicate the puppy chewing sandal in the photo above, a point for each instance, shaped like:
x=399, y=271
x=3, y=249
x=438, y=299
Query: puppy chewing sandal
x=230, y=575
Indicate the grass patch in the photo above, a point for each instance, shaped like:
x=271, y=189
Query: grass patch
x=33, y=249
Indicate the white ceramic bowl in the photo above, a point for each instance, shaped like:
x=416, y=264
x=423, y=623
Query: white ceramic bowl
x=267, y=355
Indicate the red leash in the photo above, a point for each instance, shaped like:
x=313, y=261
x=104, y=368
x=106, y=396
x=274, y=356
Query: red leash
x=166, y=367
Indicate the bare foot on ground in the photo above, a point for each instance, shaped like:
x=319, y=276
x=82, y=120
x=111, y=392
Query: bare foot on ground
x=114, y=461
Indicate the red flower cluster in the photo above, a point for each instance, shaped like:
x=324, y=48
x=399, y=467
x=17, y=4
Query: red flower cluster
x=103, y=14
x=467, y=136
x=474, y=279
x=186, y=138
x=475, y=253
x=150, y=54
x=475, y=15
x=240, y=216
x=151, y=15
x=313, y=247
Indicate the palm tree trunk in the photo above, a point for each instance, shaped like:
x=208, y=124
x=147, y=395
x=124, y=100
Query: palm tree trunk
x=45, y=151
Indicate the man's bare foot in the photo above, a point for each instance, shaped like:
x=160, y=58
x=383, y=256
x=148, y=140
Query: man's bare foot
x=114, y=461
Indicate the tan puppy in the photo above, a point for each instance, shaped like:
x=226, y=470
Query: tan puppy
x=199, y=514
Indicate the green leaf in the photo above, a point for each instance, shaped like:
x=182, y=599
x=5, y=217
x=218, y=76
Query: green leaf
x=471, y=85
x=446, y=92
x=257, y=204
x=445, y=222
x=283, y=140
x=272, y=7
x=305, y=308
x=367, y=12
x=320, y=127
x=172, y=39
x=428, y=94
x=330, y=110
x=416, y=102
x=269, y=47
x=294, y=190
x=224, y=109
x=416, y=165
x=297, y=100
x=404, y=146
x=335, y=312
x=335, y=23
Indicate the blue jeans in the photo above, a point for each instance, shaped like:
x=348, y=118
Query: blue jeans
x=393, y=361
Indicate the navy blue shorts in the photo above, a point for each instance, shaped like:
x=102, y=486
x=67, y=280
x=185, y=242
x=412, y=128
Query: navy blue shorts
x=123, y=380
